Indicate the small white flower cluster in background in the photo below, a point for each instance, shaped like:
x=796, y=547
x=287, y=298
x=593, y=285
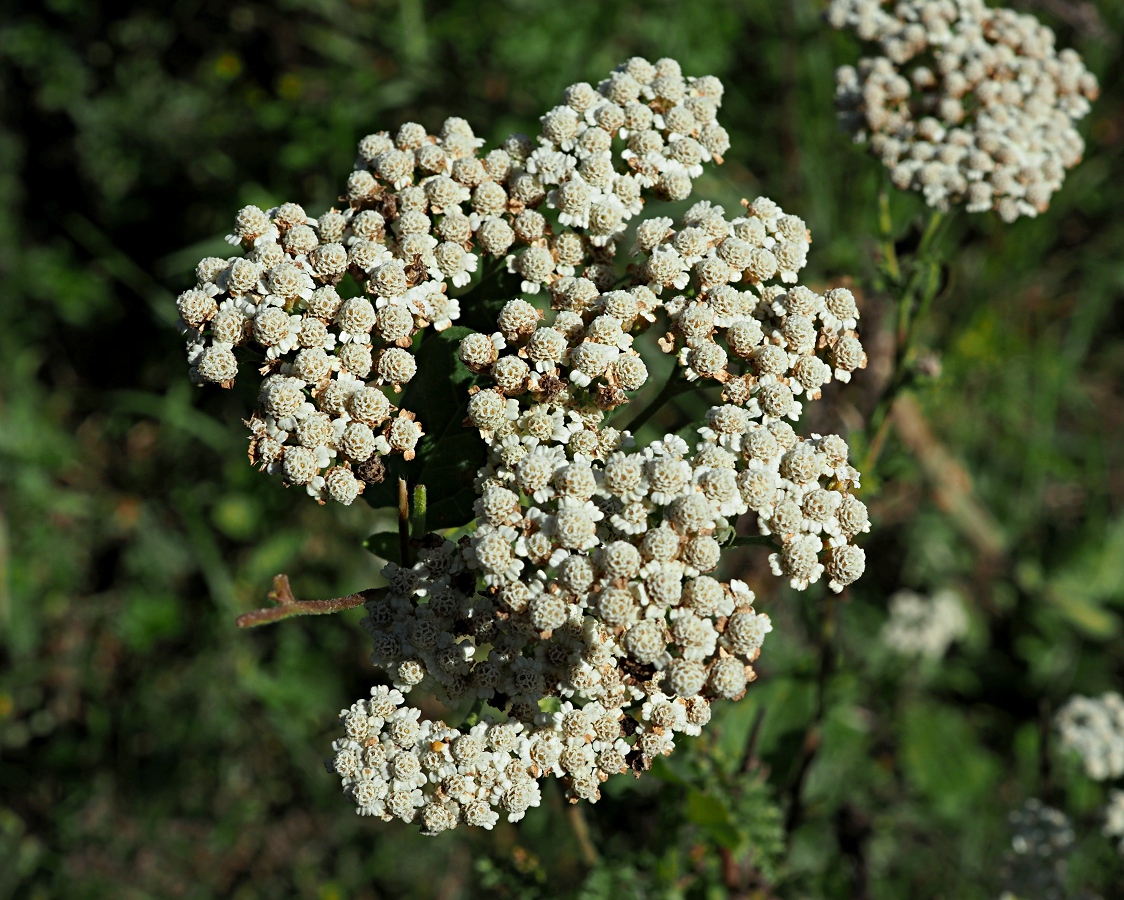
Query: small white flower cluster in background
x=1041, y=843
x=420, y=211
x=582, y=607
x=966, y=103
x=1114, y=818
x=1093, y=728
x=924, y=626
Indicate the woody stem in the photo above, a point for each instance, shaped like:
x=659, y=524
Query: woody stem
x=288, y=605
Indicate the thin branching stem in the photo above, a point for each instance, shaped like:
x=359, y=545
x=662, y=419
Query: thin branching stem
x=288, y=605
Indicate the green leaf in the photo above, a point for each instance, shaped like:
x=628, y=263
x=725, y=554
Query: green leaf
x=944, y=759
x=384, y=545
x=755, y=540
x=482, y=303
x=448, y=454
x=711, y=814
x=761, y=825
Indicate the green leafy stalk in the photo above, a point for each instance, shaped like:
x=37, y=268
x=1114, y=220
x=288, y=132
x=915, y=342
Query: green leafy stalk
x=913, y=296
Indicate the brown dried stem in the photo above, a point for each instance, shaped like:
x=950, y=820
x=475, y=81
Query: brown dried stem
x=581, y=832
x=403, y=524
x=948, y=480
x=288, y=605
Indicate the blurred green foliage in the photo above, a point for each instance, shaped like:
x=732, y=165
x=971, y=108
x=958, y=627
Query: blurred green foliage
x=147, y=749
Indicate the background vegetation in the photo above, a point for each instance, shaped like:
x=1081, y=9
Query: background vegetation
x=148, y=749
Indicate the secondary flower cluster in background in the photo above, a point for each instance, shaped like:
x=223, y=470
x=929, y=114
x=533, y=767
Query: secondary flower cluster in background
x=1093, y=729
x=965, y=103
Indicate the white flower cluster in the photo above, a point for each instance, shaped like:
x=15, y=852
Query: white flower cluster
x=431, y=633
x=966, y=103
x=334, y=303
x=581, y=607
x=768, y=343
x=1041, y=843
x=924, y=626
x=554, y=382
x=1094, y=728
x=1114, y=818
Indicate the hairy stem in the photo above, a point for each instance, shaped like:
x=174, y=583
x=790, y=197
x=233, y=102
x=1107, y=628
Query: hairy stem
x=288, y=605
x=417, y=518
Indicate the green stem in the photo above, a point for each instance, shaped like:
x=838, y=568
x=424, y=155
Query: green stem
x=814, y=735
x=486, y=277
x=932, y=229
x=417, y=519
x=581, y=833
x=673, y=387
x=924, y=275
x=886, y=244
x=755, y=540
x=473, y=714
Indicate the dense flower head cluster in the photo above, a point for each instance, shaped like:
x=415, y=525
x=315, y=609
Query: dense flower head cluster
x=1093, y=728
x=966, y=103
x=922, y=626
x=583, y=617
x=584, y=609
x=334, y=303
x=558, y=374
